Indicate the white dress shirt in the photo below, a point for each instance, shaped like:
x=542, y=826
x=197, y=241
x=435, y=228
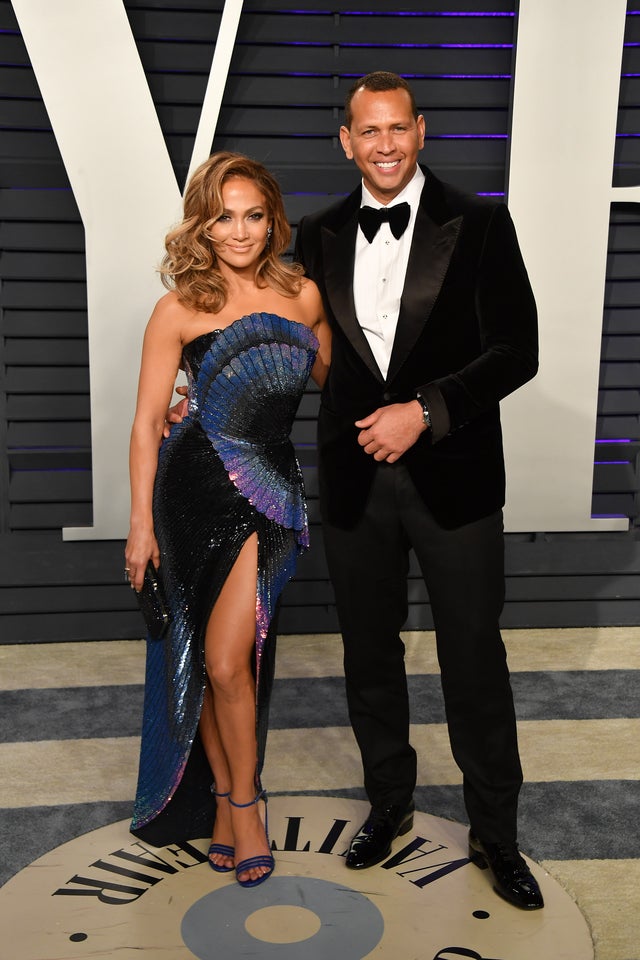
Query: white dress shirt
x=379, y=272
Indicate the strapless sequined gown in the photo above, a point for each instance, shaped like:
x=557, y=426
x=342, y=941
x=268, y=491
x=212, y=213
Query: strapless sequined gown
x=227, y=471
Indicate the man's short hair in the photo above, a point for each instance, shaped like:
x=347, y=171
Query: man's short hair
x=378, y=81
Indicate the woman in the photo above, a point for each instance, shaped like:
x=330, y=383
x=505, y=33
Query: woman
x=220, y=508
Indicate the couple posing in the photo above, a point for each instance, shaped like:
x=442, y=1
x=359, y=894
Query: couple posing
x=418, y=294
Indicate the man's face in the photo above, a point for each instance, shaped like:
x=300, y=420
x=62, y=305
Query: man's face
x=384, y=140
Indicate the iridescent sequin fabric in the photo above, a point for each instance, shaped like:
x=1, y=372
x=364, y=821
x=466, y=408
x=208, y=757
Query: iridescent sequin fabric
x=227, y=471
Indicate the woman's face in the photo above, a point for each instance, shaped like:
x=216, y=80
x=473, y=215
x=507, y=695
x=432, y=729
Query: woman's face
x=240, y=232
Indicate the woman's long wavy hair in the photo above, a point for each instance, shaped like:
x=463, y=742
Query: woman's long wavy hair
x=190, y=265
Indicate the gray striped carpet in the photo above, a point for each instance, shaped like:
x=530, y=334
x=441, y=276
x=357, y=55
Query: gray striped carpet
x=70, y=716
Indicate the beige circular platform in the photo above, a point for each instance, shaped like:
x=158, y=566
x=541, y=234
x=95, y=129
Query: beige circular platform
x=108, y=895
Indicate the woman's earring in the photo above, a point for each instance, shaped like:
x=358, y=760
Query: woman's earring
x=269, y=235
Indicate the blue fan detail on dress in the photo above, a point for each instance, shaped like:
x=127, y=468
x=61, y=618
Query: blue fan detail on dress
x=249, y=386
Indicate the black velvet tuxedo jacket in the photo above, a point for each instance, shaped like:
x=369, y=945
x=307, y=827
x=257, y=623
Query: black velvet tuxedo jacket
x=466, y=337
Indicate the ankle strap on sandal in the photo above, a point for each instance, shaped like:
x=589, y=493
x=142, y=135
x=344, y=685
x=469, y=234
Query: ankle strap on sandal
x=260, y=796
x=216, y=794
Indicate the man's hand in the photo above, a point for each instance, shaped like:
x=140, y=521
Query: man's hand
x=177, y=412
x=388, y=432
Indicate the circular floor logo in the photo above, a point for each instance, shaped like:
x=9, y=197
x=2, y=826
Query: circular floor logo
x=107, y=894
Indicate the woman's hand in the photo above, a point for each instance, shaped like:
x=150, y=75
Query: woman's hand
x=141, y=547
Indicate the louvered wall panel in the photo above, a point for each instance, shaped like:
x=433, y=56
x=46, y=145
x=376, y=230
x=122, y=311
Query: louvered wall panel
x=292, y=65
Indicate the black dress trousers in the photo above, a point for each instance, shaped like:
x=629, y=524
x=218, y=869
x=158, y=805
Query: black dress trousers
x=464, y=573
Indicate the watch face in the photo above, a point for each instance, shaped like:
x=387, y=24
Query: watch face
x=106, y=894
x=426, y=416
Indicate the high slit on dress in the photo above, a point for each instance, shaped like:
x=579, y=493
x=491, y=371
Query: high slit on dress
x=226, y=472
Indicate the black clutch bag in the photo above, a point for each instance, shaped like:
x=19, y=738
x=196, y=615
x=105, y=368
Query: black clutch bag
x=153, y=603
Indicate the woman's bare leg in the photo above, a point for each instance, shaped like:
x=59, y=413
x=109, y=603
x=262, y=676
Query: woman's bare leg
x=229, y=649
x=210, y=736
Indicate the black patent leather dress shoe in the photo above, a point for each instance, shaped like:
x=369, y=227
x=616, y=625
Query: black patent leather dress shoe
x=373, y=841
x=511, y=876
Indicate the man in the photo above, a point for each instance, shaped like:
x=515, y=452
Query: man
x=434, y=322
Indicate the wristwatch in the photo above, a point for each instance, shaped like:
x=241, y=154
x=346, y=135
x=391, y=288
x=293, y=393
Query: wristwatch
x=426, y=416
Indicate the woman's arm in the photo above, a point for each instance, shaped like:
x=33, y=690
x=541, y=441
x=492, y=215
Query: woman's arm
x=161, y=352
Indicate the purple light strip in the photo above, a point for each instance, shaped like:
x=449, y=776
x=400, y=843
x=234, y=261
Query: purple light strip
x=606, y=463
x=622, y=440
x=326, y=136
x=469, y=136
x=411, y=76
x=479, y=193
x=397, y=46
x=426, y=46
x=426, y=76
x=409, y=13
x=609, y=516
x=422, y=13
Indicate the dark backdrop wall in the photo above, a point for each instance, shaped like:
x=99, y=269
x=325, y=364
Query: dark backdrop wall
x=292, y=64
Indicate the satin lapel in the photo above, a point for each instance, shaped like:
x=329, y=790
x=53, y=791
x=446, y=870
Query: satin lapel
x=338, y=251
x=429, y=259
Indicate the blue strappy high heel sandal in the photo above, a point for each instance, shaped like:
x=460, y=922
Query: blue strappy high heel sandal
x=264, y=860
x=222, y=849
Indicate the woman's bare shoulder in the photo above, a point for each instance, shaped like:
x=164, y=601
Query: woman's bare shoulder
x=170, y=315
x=309, y=296
x=170, y=307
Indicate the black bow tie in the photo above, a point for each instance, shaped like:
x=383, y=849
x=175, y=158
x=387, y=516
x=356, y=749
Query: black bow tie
x=397, y=217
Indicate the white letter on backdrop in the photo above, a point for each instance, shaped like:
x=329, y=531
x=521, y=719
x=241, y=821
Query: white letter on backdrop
x=98, y=100
x=567, y=81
